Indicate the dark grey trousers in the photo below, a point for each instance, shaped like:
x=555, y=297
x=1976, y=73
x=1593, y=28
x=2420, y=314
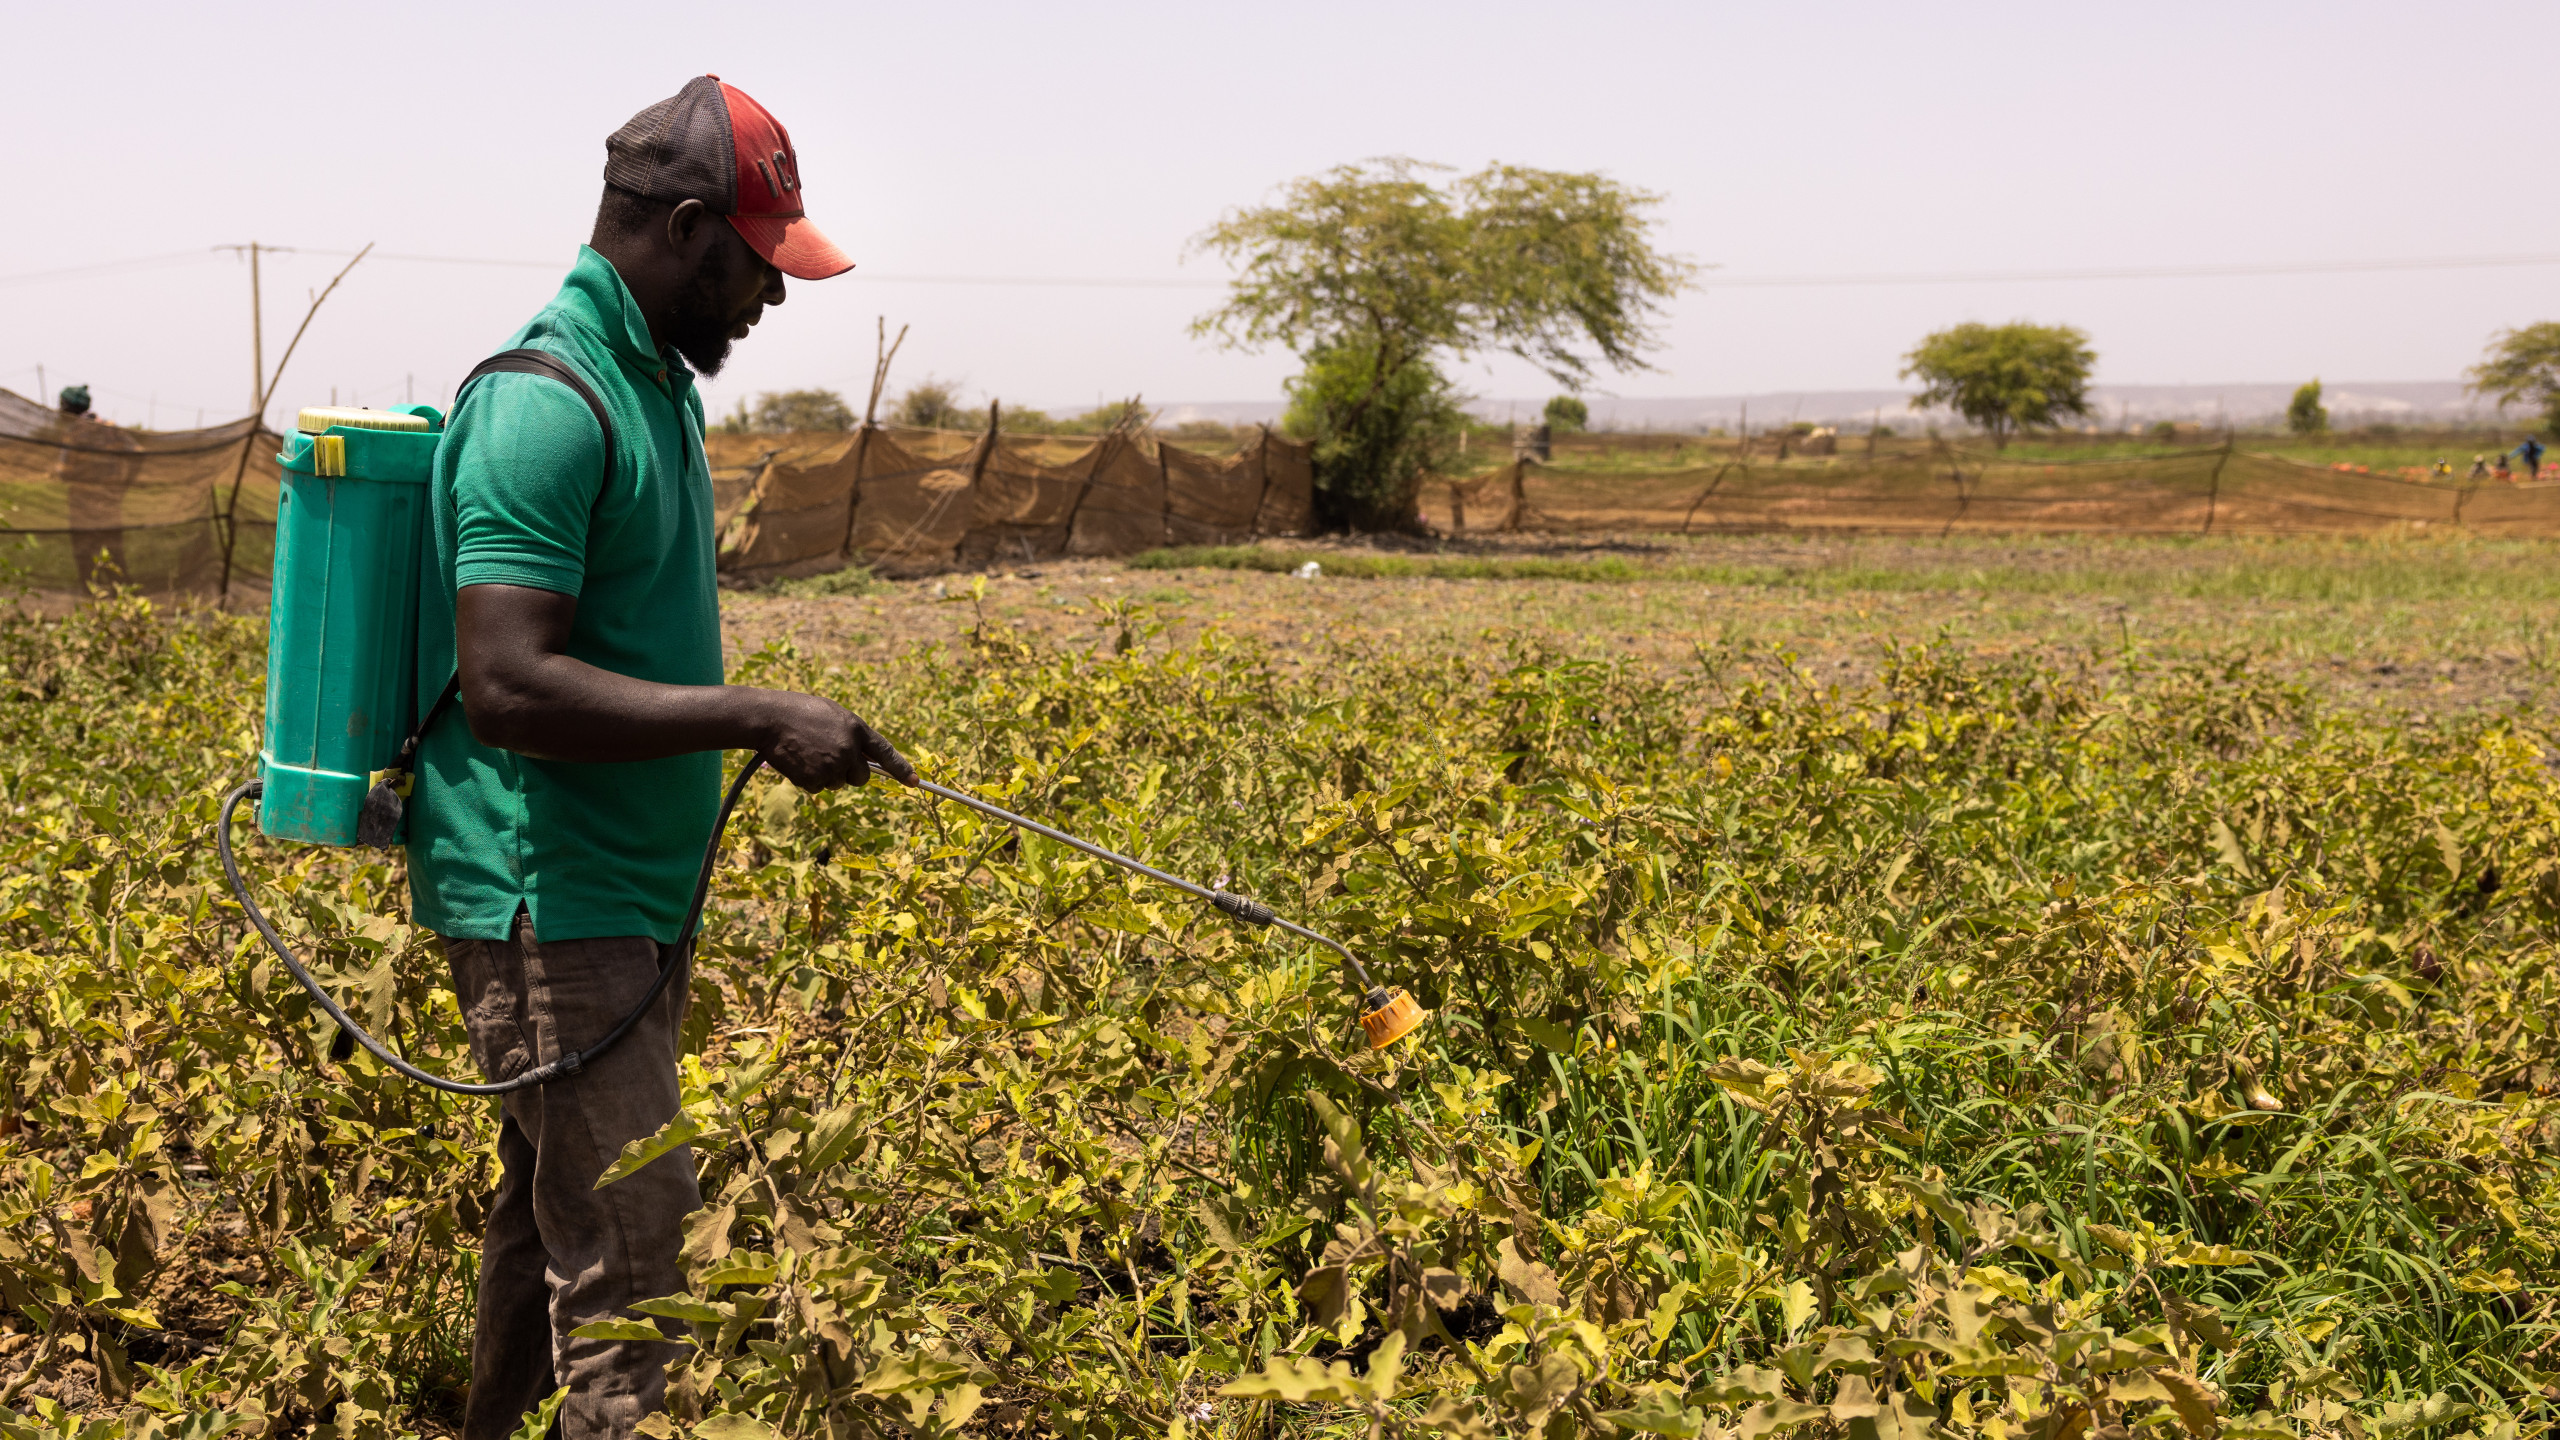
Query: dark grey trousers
x=558, y=1252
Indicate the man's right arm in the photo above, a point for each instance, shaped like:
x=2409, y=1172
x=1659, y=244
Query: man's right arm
x=523, y=691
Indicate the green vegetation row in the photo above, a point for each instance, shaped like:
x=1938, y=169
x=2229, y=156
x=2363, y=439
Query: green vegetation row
x=2238, y=568
x=2001, y=1052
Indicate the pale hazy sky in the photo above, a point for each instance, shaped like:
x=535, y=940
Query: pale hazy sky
x=1092, y=141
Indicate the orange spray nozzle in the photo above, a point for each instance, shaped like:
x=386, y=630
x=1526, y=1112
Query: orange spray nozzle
x=1389, y=1017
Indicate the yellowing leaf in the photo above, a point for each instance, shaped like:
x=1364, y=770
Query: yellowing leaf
x=2189, y=1252
x=618, y=1330
x=1306, y=1381
x=1795, y=1305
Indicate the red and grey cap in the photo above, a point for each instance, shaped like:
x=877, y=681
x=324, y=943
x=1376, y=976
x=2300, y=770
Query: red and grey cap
x=710, y=142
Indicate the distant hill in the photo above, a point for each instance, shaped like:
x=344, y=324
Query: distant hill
x=2245, y=403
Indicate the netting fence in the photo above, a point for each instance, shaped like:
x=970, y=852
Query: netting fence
x=192, y=512
x=84, y=503
x=2221, y=490
x=908, y=501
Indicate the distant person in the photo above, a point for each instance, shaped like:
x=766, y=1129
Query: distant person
x=2444, y=468
x=75, y=401
x=2479, y=468
x=2530, y=452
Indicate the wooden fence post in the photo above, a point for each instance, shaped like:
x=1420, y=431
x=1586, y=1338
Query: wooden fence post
x=888, y=351
x=1261, y=497
x=2213, y=496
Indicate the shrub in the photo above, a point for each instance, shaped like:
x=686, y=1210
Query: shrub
x=1568, y=415
x=2306, y=415
x=1373, y=443
x=932, y=404
x=802, y=410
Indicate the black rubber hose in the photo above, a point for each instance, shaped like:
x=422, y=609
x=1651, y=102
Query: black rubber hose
x=566, y=1065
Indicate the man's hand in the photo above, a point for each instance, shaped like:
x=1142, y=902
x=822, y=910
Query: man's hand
x=522, y=691
x=818, y=744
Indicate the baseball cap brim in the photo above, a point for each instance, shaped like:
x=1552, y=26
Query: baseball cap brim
x=792, y=245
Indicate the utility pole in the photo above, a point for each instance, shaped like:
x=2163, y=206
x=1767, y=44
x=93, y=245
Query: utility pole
x=257, y=326
x=40, y=393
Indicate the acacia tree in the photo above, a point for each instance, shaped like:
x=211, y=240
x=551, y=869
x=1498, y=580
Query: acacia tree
x=1371, y=273
x=2004, y=378
x=2523, y=365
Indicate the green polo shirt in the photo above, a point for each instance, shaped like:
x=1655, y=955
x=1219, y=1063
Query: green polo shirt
x=521, y=496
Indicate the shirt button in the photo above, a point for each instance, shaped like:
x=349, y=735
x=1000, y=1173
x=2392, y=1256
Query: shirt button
x=662, y=377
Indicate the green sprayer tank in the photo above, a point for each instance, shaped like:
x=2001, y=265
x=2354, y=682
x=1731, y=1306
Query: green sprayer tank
x=342, y=617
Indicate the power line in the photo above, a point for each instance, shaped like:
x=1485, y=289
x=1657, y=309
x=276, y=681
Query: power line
x=1731, y=282
x=2139, y=272
x=1955, y=277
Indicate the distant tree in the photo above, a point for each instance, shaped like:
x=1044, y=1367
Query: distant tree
x=2306, y=415
x=1376, y=266
x=932, y=404
x=782, y=410
x=2523, y=365
x=1567, y=415
x=2004, y=378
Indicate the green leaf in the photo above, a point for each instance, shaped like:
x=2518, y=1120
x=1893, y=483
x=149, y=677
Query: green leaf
x=1547, y=1033
x=830, y=1136
x=538, y=1421
x=638, y=1153
x=1658, y=1411
x=734, y=1427
x=679, y=1307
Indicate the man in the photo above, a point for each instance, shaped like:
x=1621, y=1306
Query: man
x=2530, y=452
x=554, y=841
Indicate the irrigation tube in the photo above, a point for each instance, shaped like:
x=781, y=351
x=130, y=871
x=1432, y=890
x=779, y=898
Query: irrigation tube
x=673, y=962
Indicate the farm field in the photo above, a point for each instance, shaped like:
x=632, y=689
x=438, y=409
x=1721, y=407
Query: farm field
x=2017, y=988
x=2424, y=624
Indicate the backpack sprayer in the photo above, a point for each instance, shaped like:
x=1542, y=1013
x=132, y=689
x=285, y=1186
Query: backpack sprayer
x=342, y=668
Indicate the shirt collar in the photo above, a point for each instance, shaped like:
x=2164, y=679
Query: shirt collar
x=595, y=296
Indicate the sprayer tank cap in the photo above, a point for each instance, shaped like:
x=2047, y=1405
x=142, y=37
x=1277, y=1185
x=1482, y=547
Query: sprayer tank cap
x=319, y=418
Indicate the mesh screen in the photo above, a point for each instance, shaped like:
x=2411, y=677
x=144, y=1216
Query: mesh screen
x=83, y=502
x=908, y=501
x=2215, y=491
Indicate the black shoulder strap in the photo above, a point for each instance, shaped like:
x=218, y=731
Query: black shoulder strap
x=525, y=361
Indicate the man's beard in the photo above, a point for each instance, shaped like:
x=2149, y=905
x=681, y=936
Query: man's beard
x=694, y=325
